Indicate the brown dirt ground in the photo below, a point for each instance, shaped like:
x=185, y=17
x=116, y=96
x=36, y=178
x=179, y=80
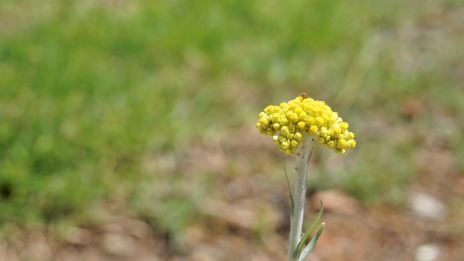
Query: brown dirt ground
x=245, y=218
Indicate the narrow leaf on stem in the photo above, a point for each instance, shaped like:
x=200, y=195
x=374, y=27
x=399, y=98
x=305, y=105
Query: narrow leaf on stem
x=310, y=154
x=306, y=234
x=289, y=188
x=311, y=243
x=309, y=157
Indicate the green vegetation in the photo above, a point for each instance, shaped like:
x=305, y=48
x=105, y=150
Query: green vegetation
x=91, y=91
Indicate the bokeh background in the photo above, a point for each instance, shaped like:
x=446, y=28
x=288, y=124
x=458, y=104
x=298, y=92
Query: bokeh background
x=127, y=128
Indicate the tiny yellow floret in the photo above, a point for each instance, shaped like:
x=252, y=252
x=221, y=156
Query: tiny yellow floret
x=312, y=130
x=344, y=126
x=294, y=143
x=283, y=121
x=341, y=144
x=275, y=139
x=285, y=145
x=275, y=117
x=290, y=121
x=319, y=121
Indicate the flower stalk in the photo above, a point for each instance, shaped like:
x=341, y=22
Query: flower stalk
x=296, y=218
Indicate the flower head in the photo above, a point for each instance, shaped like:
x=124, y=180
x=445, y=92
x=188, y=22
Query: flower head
x=288, y=122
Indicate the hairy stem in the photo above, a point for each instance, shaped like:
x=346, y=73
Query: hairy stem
x=301, y=169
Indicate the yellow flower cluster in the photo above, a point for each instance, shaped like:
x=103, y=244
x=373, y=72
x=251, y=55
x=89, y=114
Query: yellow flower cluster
x=305, y=115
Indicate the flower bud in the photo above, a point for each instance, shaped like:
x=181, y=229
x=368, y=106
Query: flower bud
x=341, y=144
x=275, y=117
x=264, y=123
x=331, y=144
x=323, y=132
x=284, y=131
x=309, y=121
x=350, y=136
x=285, y=145
x=350, y=144
x=319, y=121
x=269, y=110
x=275, y=139
x=294, y=117
x=344, y=126
x=294, y=143
x=312, y=130
x=291, y=128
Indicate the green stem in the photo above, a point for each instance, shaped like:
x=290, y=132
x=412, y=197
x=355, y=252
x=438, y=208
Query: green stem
x=301, y=169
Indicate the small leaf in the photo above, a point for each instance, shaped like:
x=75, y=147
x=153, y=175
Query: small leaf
x=309, y=157
x=311, y=244
x=310, y=154
x=306, y=234
x=289, y=188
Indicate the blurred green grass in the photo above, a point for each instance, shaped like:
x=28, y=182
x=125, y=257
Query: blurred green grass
x=90, y=89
